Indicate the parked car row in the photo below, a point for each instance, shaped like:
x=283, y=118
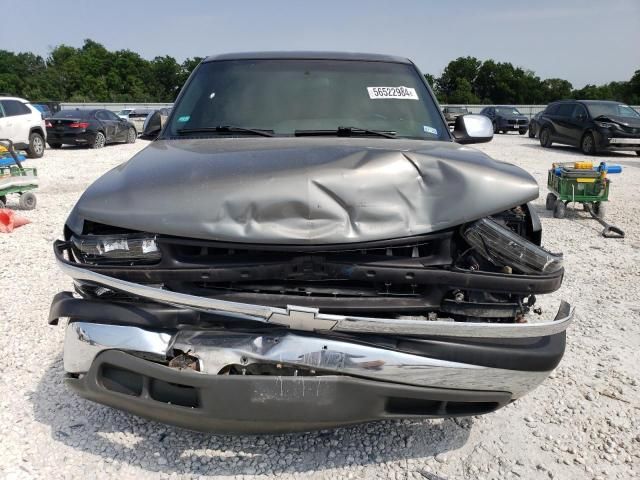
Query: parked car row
x=30, y=126
x=593, y=126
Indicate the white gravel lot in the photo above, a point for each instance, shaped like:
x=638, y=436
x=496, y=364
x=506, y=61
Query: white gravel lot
x=583, y=422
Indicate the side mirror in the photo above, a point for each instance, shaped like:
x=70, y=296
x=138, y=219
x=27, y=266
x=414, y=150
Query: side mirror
x=472, y=129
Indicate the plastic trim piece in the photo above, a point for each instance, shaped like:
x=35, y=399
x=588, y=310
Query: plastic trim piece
x=310, y=319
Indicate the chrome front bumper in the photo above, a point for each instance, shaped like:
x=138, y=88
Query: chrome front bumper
x=218, y=349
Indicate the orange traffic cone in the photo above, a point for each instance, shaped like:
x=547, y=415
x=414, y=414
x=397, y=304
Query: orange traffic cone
x=10, y=221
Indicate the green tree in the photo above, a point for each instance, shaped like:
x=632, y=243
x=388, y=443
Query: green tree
x=463, y=93
x=633, y=89
x=461, y=68
x=556, y=89
x=92, y=73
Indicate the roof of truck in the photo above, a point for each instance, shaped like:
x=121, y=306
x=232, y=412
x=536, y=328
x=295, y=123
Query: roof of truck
x=304, y=55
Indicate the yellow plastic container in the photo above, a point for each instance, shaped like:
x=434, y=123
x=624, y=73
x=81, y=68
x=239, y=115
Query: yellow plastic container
x=584, y=165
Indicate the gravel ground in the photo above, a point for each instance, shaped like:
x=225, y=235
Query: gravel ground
x=583, y=422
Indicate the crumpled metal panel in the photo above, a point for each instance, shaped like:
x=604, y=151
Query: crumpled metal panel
x=302, y=190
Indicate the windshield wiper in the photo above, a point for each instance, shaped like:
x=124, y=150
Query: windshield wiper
x=226, y=129
x=344, y=132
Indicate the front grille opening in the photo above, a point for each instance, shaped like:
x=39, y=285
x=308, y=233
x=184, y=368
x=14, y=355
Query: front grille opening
x=328, y=288
x=173, y=393
x=121, y=380
x=436, y=249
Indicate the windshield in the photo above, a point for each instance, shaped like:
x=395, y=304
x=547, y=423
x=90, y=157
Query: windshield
x=285, y=96
x=457, y=110
x=507, y=111
x=615, y=109
x=124, y=112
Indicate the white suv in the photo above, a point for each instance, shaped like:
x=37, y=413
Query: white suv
x=23, y=124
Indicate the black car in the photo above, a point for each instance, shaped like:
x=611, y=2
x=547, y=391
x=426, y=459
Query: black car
x=534, y=125
x=306, y=245
x=591, y=125
x=506, y=119
x=93, y=128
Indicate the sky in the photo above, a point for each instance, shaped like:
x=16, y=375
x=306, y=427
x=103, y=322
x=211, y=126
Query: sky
x=583, y=41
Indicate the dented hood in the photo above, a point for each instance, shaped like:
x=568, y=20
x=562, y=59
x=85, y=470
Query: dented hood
x=301, y=190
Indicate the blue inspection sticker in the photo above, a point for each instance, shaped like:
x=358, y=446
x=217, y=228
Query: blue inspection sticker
x=428, y=129
x=184, y=118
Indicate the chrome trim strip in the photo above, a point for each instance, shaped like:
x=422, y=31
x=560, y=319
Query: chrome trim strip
x=218, y=349
x=309, y=319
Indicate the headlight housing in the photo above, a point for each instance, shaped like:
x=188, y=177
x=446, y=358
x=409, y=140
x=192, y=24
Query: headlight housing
x=503, y=247
x=133, y=248
x=606, y=125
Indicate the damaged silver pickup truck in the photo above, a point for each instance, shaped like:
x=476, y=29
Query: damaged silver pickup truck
x=307, y=245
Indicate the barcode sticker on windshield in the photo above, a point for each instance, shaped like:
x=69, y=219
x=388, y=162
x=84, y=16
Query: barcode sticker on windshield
x=392, y=92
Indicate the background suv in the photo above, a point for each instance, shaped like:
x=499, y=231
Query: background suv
x=23, y=124
x=506, y=118
x=591, y=125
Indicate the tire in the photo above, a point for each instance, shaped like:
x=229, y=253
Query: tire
x=559, y=209
x=532, y=133
x=522, y=131
x=599, y=209
x=28, y=201
x=545, y=137
x=55, y=145
x=132, y=135
x=36, y=145
x=3, y=200
x=495, y=127
x=99, y=141
x=550, y=202
x=588, y=144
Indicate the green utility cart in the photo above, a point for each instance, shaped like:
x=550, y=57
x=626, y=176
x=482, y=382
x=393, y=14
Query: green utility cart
x=16, y=179
x=579, y=182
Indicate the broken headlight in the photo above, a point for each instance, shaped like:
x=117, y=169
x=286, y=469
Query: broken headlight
x=114, y=249
x=505, y=248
